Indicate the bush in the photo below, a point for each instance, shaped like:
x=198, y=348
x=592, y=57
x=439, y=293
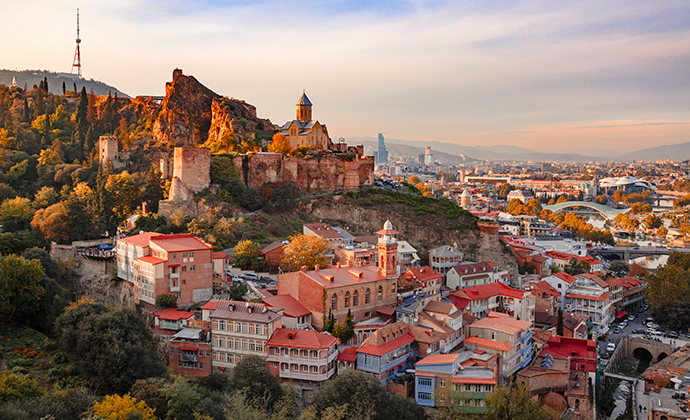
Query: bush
x=166, y=301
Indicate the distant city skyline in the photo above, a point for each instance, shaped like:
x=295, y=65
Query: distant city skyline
x=541, y=75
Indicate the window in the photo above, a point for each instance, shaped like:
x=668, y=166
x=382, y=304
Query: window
x=207, y=353
x=184, y=255
x=314, y=369
x=424, y=396
x=305, y=353
x=305, y=368
x=201, y=365
x=221, y=325
x=379, y=294
x=367, y=297
x=174, y=256
x=260, y=329
x=192, y=268
x=355, y=298
x=275, y=364
x=422, y=381
x=334, y=302
x=179, y=364
x=443, y=383
x=347, y=299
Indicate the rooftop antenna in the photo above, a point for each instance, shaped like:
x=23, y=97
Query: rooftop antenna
x=77, y=54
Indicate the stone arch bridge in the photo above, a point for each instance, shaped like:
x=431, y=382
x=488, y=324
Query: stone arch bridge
x=633, y=345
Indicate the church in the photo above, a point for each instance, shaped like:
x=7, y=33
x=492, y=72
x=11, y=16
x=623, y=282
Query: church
x=303, y=131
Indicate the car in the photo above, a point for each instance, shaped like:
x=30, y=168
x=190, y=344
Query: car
x=611, y=347
x=639, y=331
x=604, y=363
x=671, y=334
x=606, y=355
x=623, y=324
x=640, y=310
x=616, y=330
x=631, y=317
x=249, y=276
x=605, y=336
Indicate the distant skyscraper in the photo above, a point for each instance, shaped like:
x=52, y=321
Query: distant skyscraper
x=383, y=153
x=428, y=157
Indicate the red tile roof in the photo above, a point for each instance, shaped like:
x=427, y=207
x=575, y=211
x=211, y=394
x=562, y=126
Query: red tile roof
x=439, y=307
x=502, y=323
x=301, y=339
x=580, y=351
x=423, y=274
x=486, y=291
x=337, y=277
x=437, y=359
x=565, y=277
x=150, y=260
x=323, y=230
x=387, y=338
x=348, y=355
x=220, y=255
x=173, y=314
x=291, y=306
x=478, y=381
x=211, y=305
x=485, y=342
x=541, y=288
x=141, y=240
x=179, y=243
x=465, y=268
x=386, y=347
x=460, y=302
x=245, y=311
x=386, y=310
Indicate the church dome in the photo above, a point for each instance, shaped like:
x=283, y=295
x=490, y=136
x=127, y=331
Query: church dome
x=555, y=401
x=388, y=225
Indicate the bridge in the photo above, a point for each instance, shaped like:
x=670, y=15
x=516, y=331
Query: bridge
x=628, y=252
x=605, y=211
x=637, y=347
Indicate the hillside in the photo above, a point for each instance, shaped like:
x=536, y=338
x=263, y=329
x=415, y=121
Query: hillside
x=33, y=77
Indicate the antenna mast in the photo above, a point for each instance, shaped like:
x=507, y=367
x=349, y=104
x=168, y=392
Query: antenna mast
x=77, y=54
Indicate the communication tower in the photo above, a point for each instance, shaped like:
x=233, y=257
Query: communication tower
x=77, y=54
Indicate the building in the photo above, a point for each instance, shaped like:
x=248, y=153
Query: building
x=465, y=378
x=299, y=355
x=428, y=157
x=272, y=253
x=509, y=337
x=562, y=259
x=171, y=320
x=361, y=290
x=166, y=264
x=480, y=300
x=303, y=131
x=386, y=350
x=582, y=353
x=546, y=297
x=357, y=255
x=560, y=281
x=407, y=256
x=469, y=274
x=627, y=293
x=241, y=329
x=524, y=196
x=420, y=279
x=626, y=183
x=443, y=258
x=107, y=149
x=382, y=152
x=465, y=199
x=190, y=352
x=295, y=315
x=444, y=318
x=589, y=296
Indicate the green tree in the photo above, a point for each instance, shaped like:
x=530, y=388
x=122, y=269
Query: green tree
x=16, y=386
x=251, y=376
x=619, y=268
x=82, y=110
x=123, y=192
x=16, y=213
x=503, y=191
x=166, y=301
x=223, y=169
x=114, y=341
x=513, y=403
x=237, y=290
x=559, y=323
x=20, y=284
x=153, y=192
x=345, y=331
x=574, y=267
x=45, y=197
x=246, y=253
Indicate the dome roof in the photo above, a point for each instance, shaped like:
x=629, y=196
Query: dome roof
x=388, y=225
x=555, y=401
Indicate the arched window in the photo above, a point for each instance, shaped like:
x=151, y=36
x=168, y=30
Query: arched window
x=334, y=302
x=367, y=297
x=355, y=298
x=347, y=299
x=379, y=294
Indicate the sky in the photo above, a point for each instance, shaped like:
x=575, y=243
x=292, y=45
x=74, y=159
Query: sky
x=553, y=76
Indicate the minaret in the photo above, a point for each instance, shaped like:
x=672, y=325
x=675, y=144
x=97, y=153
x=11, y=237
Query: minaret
x=388, y=251
x=304, y=108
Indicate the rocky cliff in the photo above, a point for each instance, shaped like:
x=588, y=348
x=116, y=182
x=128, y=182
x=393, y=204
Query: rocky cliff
x=184, y=116
x=237, y=118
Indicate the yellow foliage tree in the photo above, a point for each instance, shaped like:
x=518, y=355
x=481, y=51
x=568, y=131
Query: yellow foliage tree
x=115, y=407
x=305, y=250
x=280, y=144
x=82, y=300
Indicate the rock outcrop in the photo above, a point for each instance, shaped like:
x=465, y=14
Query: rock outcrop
x=237, y=118
x=184, y=116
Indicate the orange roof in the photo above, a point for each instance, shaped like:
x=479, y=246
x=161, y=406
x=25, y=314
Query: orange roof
x=337, y=277
x=425, y=273
x=565, y=277
x=173, y=314
x=601, y=298
x=301, y=339
x=141, y=239
x=438, y=359
x=386, y=347
x=179, y=243
x=323, y=230
x=150, y=260
x=486, y=291
x=348, y=355
x=220, y=255
x=291, y=306
x=484, y=342
x=502, y=323
x=544, y=288
x=478, y=381
x=210, y=305
x=387, y=338
x=439, y=307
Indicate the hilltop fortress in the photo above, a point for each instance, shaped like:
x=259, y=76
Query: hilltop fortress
x=190, y=110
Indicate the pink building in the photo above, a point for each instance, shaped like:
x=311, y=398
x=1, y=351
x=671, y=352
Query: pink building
x=302, y=355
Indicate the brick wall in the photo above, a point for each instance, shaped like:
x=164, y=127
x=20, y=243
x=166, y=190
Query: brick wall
x=192, y=166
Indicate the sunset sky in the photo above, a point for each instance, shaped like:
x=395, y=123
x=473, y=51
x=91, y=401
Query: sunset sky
x=553, y=76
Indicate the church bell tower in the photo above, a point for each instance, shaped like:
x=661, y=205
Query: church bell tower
x=388, y=251
x=304, y=108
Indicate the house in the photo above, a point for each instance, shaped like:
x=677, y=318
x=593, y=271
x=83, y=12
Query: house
x=546, y=297
x=497, y=297
x=299, y=355
x=444, y=318
x=272, y=253
x=508, y=337
x=240, y=329
x=561, y=259
x=322, y=230
x=443, y=258
x=295, y=315
x=420, y=279
x=190, y=352
x=385, y=350
x=588, y=296
x=166, y=264
x=465, y=378
x=357, y=255
x=468, y=274
x=582, y=353
x=407, y=256
x=170, y=320
x=347, y=359
x=627, y=293
x=560, y=281
x=362, y=290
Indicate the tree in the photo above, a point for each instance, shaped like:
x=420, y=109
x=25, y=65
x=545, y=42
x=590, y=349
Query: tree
x=638, y=270
x=153, y=192
x=251, y=376
x=280, y=144
x=123, y=192
x=554, y=268
x=16, y=213
x=246, y=253
x=662, y=232
x=513, y=403
x=653, y=222
x=345, y=331
x=559, y=323
x=503, y=191
x=237, y=290
x=44, y=197
x=16, y=386
x=223, y=170
x=20, y=284
x=619, y=268
x=574, y=267
x=166, y=301
x=305, y=250
x=114, y=341
x=562, y=199
x=601, y=199
x=115, y=407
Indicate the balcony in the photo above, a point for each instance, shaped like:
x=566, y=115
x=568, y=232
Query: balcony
x=188, y=357
x=307, y=376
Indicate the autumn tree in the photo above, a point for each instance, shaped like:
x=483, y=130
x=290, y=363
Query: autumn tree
x=661, y=232
x=123, y=192
x=503, y=191
x=638, y=270
x=601, y=199
x=305, y=250
x=16, y=386
x=280, y=144
x=20, y=286
x=16, y=213
x=513, y=403
x=246, y=253
x=116, y=407
x=653, y=222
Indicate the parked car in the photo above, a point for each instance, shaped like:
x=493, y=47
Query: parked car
x=611, y=347
x=616, y=330
x=631, y=317
x=602, y=337
x=671, y=334
x=623, y=324
x=249, y=277
x=639, y=331
x=640, y=310
x=606, y=355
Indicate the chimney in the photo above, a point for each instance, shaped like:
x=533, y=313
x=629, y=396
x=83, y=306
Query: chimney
x=337, y=265
x=231, y=307
x=361, y=263
x=144, y=208
x=304, y=268
x=316, y=268
x=249, y=309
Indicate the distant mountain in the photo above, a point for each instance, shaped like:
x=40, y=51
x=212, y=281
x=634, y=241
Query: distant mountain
x=676, y=152
x=34, y=77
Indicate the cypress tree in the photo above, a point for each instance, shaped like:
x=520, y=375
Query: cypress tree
x=90, y=141
x=46, y=129
x=64, y=89
x=559, y=325
x=82, y=109
x=45, y=84
x=75, y=87
x=27, y=113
